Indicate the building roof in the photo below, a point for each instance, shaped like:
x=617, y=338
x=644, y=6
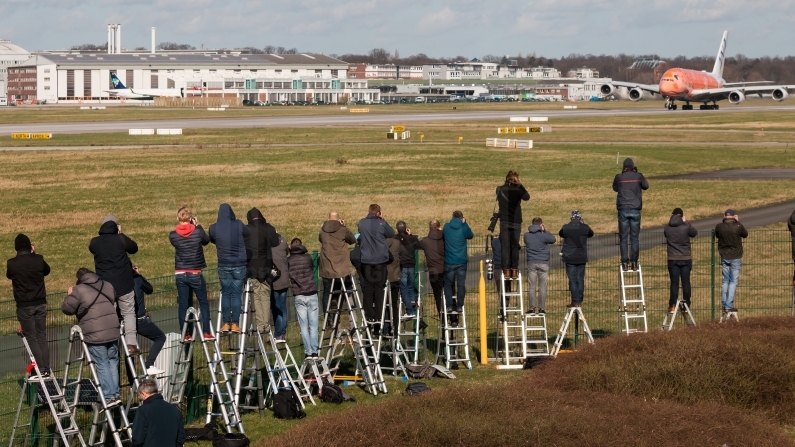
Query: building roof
x=9, y=49
x=168, y=60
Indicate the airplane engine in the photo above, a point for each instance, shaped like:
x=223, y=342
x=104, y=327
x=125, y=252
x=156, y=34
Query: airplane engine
x=635, y=94
x=780, y=94
x=607, y=89
x=736, y=97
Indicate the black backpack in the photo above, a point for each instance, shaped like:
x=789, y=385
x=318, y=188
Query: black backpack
x=332, y=393
x=231, y=440
x=206, y=433
x=416, y=388
x=286, y=405
x=532, y=362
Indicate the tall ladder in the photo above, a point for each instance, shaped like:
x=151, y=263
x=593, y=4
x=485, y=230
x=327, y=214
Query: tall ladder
x=103, y=420
x=221, y=389
x=456, y=338
x=137, y=370
x=565, y=327
x=728, y=315
x=512, y=334
x=358, y=337
x=290, y=373
x=680, y=308
x=182, y=366
x=389, y=345
x=631, y=305
x=248, y=357
x=54, y=398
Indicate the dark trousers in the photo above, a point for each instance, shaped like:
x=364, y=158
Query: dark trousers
x=437, y=286
x=33, y=320
x=148, y=329
x=335, y=296
x=677, y=270
x=394, y=304
x=509, y=241
x=373, y=282
x=576, y=274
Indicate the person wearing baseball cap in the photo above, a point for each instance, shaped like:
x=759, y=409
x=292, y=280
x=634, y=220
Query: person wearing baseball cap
x=678, y=233
x=730, y=234
x=575, y=236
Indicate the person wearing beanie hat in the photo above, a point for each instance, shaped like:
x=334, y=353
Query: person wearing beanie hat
x=575, y=236
x=629, y=185
x=730, y=234
x=678, y=233
x=26, y=271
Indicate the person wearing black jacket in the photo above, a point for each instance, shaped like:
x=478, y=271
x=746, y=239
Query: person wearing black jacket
x=409, y=244
x=146, y=327
x=302, y=279
x=575, y=236
x=374, y=232
x=509, y=197
x=157, y=422
x=730, y=234
x=112, y=264
x=259, y=266
x=433, y=246
x=629, y=185
x=27, y=271
x=677, y=237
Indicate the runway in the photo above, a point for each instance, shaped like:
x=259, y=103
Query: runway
x=349, y=119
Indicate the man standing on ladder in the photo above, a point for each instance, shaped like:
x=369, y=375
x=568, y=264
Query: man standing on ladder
x=791, y=226
x=537, y=241
x=145, y=326
x=433, y=246
x=93, y=302
x=456, y=233
x=575, y=236
x=300, y=268
x=280, y=287
x=335, y=261
x=509, y=197
x=678, y=233
x=730, y=234
x=259, y=266
x=27, y=271
x=228, y=234
x=409, y=244
x=374, y=231
x=629, y=185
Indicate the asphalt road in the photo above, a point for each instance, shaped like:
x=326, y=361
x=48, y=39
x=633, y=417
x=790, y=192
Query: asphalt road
x=344, y=119
x=737, y=174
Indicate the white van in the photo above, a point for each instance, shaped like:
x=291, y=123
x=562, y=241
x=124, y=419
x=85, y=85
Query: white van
x=3, y=102
x=419, y=99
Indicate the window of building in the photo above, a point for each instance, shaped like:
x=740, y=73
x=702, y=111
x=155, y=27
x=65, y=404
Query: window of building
x=293, y=71
x=46, y=87
x=46, y=79
x=46, y=70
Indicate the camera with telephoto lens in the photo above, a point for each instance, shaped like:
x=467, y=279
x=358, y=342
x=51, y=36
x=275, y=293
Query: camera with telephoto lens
x=493, y=222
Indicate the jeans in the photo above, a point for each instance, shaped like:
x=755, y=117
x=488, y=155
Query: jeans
x=279, y=309
x=576, y=274
x=455, y=275
x=509, y=241
x=538, y=273
x=306, y=310
x=629, y=226
x=231, y=279
x=731, y=275
x=437, y=286
x=261, y=294
x=373, y=282
x=33, y=320
x=126, y=305
x=189, y=284
x=407, y=289
x=106, y=359
x=676, y=270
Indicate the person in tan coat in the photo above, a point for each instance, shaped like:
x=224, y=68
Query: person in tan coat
x=334, y=260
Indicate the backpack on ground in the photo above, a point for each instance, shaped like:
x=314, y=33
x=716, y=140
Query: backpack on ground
x=231, y=440
x=206, y=433
x=416, y=388
x=286, y=405
x=532, y=362
x=332, y=393
x=417, y=371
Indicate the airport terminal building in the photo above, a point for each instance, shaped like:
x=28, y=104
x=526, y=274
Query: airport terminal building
x=76, y=77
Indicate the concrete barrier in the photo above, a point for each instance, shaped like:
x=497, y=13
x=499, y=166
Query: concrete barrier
x=569, y=107
x=169, y=131
x=343, y=108
x=538, y=119
x=509, y=143
x=141, y=131
x=518, y=119
x=216, y=109
x=85, y=108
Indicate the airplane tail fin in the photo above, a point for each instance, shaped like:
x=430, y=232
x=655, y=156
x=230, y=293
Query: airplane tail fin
x=117, y=84
x=717, y=70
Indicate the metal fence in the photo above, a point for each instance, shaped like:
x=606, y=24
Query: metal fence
x=765, y=288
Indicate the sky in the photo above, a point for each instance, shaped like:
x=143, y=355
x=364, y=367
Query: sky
x=470, y=28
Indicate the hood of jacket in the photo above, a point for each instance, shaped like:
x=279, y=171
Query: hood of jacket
x=88, y=278
x=225, y=212
x=331, y=226
x=456, y=223
x=252, y=215
x=676, y=220
x=534, y=228
x=298, y=250
x=109, y=227
x=185, y=229
x=436, y=235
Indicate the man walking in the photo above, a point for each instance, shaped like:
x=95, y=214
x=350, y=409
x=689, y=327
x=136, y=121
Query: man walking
x=629, y=185
x=157, y=423
x=537, y=241
x=112, y=263
x=259, y=266
x=93, y=302
x=433, y=246
x=456, y=233
x=335, y=259
x=374, y=231
x=409, y=244
x=229, y=234
x=730, y=234
x=678, y=233
x=575, y=236
x=27, y=271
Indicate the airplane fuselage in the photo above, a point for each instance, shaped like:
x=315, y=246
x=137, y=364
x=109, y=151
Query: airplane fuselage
x=679, y=84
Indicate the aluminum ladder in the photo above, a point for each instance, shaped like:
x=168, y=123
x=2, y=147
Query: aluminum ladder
x=183, y=363
x=565, y=327
x=221, y=388
x=389, y=345
x=511, y=347
x=456, y=338
x=536, y=335
x=246, y=363
x=631, y=305
x=680, y=308
x=136, y=370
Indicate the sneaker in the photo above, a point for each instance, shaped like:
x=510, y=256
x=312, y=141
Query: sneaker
x=154, y=371
x=187, y=338
x=459, y=309
x=44, y=376
x=208, y=336
x=634, y=266
x=224, y=328
x=542, y=311
x=315, y=356
x=671, y=309
x=235, y=328
x=531, y=311
x=407, y=316
x=113, y=403
x=453, y=312
x=625, y=266
x=133, y=350
x=279, y=339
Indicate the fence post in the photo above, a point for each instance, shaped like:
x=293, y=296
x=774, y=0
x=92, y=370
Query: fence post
x=712, y=273
x=484, y=355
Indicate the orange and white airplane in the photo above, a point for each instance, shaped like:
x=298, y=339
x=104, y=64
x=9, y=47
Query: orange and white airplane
x=679, y=84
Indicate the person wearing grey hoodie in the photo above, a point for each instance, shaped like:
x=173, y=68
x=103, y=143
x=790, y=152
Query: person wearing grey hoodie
x=537, y=241
x=678, y=233
x=280, y=286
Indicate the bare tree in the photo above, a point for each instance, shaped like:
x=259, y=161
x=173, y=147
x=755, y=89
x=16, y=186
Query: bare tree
x=90, y=47
x=174, y=46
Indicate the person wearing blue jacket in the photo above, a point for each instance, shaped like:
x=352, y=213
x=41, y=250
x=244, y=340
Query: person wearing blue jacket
x=456, y=233
x=228, y=234
x=536, y=242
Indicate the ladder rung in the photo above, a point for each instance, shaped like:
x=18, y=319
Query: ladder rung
x=633, y=286
x=536, y=328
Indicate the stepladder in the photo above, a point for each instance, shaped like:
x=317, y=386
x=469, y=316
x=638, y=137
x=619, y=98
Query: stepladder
x=572, y=313
x=728, y=315
x=49, y=394
x=631, y=301
x=391, y=355
x=316, y=371
x=681, y=308
x=511, y=346
x=136, y=370
x=454, y=335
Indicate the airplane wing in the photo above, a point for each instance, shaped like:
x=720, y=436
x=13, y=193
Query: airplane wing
x=651, y=88
x=728, y=84
x=723, y=92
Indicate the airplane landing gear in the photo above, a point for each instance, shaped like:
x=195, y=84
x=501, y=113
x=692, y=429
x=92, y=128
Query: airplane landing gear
x=709, y=107
x=670, y=105
x=687, y=107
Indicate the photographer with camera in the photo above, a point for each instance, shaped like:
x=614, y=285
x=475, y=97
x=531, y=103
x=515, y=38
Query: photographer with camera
x=456, y=233
x=409, y=244
x=433, y=246
x=259, y=266
x=730, y=234
x=189, y=239
x=537, y=241
x=509, y=198
x=374, y=232
x=228, y=234
x=575, y=236
x=629, y=185
x=335, y=261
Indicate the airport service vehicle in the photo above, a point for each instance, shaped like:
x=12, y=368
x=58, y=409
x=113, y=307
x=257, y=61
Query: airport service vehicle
x=120, y=91
x=679, y=84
